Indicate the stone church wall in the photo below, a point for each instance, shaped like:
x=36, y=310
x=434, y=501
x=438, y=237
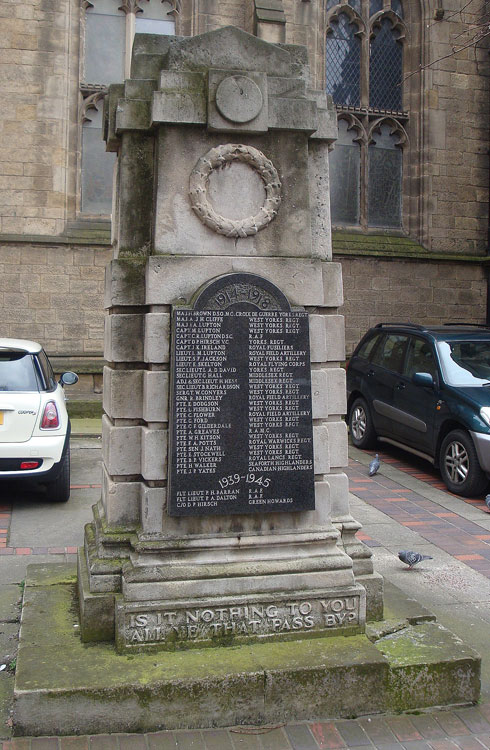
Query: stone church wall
x=395, y=290
x=38, y=101
x=51, y=289
x=54, y=294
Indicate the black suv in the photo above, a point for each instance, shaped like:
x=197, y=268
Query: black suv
x=426, y=389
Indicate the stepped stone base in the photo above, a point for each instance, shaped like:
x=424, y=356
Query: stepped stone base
x=64, y=687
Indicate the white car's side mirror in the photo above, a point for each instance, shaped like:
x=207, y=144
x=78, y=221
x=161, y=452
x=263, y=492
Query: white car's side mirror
x=68, y=378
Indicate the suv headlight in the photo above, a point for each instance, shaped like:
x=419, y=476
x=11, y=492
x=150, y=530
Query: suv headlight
x=485, y=414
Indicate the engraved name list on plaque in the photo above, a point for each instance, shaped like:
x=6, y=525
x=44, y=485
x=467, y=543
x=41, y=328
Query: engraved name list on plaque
x=241, y=425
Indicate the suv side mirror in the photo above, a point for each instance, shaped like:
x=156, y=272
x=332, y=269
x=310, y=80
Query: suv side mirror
x=68, y=378
x=424, y=379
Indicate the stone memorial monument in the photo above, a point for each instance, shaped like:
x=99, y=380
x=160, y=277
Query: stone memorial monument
x=224, y=514
x=220, y=581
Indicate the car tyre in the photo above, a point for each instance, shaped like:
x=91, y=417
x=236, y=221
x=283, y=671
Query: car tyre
x=361, y=425
x=59, y=490
x=459, y=465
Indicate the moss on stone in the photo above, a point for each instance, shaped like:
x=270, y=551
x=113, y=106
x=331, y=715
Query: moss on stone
x=50, y=574
x=385, y=246
x=89, y=409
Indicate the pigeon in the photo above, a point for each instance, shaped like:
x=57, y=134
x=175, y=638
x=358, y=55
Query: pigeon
x=487, y=501
x=412, y=558
x=374, y=466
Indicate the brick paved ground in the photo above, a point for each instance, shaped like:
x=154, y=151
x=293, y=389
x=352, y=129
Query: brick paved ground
x=466, y=728
x=460, y=537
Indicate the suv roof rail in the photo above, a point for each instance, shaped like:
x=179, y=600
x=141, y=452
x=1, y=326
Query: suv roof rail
x=470, y=325
x=401, y=325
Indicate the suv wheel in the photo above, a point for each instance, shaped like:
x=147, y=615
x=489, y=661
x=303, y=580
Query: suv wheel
x=459, y=465
x=361, y=425
x=59, y=490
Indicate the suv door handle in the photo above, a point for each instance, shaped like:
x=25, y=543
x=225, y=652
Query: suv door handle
x=400, y=386
x=370, y=373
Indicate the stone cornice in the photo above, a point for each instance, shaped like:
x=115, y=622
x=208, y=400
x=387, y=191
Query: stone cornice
x=55, y=239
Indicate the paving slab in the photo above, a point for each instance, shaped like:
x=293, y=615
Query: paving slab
x=74, y=743
x=10, y=601
x=164, y=741
x=300, y=737
x=29, y=525
x=13, y=568
x=434, y=580
x=244, y=741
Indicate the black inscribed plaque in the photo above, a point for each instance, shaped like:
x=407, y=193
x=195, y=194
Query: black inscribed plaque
x=241, y=425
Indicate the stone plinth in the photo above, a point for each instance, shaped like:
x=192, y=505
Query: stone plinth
x=63, y=687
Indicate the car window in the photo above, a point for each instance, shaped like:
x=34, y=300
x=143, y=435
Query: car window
x=47, y=371
x=367, y=347
x=465, y=362
x=390, y=352
x=420, y=358
x=17, y=372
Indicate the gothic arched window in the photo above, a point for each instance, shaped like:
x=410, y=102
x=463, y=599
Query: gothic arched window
x=343, y=71
x=108, y=29
x=385, y=175
x=345, y=171
x=364, y=75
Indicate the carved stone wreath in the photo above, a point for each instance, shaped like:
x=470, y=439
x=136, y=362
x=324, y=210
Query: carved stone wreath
x=219, y=157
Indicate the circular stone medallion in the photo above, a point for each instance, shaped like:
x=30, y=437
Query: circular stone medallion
x=239, y=99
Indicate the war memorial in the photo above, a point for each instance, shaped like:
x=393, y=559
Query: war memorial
x=221, y=581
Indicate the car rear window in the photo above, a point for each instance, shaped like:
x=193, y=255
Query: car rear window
x=367, y=347
x=47, y=371
x=17, y=372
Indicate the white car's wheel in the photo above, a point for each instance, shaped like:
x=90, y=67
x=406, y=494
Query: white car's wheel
x=58, y=491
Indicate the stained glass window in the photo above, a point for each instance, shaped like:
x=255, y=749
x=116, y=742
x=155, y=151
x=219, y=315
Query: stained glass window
x=356, y=4
x=385, y=173
x=345, y=171
x=385, y=69
x=331, y=3
x=343, y=62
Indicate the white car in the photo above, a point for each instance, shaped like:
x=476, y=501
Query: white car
x=34, y=424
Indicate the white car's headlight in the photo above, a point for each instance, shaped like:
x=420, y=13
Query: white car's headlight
x=485, y=414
